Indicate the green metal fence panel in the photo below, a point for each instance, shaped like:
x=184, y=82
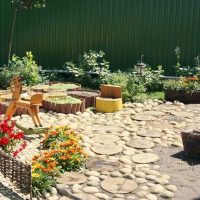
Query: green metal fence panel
x=124, y=29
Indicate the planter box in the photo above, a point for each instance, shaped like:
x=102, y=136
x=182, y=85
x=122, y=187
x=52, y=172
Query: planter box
x=88, y=95
x=191, y=143
x=182, y=96
x=19, y=111
x=64, y=108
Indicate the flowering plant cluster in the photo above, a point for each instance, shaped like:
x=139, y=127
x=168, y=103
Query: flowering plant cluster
x=10, y=138
x=62, y=153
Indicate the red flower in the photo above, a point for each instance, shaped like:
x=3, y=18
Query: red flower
x=4, y=141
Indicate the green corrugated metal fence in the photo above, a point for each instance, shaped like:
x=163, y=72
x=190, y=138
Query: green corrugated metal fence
x=124, y=29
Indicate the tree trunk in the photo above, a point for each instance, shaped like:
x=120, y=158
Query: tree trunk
x=11, y=35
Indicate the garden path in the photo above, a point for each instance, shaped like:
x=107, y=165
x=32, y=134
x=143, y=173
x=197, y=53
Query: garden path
x=119, y=168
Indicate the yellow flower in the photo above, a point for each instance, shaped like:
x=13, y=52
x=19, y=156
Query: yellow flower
x=36, y=166
x=35, y=175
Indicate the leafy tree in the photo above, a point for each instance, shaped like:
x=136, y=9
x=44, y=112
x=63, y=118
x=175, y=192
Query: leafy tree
x=19, y=5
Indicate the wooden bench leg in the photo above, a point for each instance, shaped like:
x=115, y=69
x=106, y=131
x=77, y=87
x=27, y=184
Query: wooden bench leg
x=35, y=111
x=11, y=109
x=32, y=116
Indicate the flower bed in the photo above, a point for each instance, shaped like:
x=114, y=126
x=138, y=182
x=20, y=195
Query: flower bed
x=62, y=153
x=65, y=105
x=182, y=96
x=186, y=90
x=11, y=144
x=88, y=95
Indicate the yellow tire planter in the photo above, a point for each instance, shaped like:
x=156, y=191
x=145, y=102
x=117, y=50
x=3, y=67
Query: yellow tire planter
x=108, y=105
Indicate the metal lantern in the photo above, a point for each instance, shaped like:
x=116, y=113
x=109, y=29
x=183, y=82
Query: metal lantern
x=140, y=66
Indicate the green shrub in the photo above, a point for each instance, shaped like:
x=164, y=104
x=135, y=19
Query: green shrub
x=152, y=79
x=129, y=83
x=90, y=69
x=25, y=67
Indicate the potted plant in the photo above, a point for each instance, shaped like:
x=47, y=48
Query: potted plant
x=191, y=142
x=186, y=90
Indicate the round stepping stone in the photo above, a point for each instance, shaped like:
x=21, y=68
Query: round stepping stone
x=143, y=118
x=181, y=114
x=112, y=129
x=106, y=149
x=105, y=138
x=154, y=113
x=145, y=158
x=140, y=144
x=158, y=124
x=149, y=133
x=119, y=185
x=171, y=118
x=71, y=178
x=102, y=165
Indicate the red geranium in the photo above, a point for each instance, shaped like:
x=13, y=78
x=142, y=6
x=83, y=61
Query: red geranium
x=4, y=141
x=9, y=137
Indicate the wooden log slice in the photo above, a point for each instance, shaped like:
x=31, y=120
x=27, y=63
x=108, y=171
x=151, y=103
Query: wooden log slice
x=119, y=185
x=150, y=133
x=105, y=138
x=145, y=158
x=71, y=178
x=106, y=149
x=99, y=164
x=140, y=144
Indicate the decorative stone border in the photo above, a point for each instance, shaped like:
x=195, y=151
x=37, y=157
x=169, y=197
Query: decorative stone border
x=64, y=108
x=90, y=97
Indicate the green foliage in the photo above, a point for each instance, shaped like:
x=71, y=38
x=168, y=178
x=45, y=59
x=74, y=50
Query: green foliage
x=63, y=153
x=93, y=61
x=24, y=67
x=41, y=183
x=63, y=86
x=64, y=100
x=29, y=4
x=90, y=69
x=152, y=79
x=182, y=85
x=128, y=82
x=141, y=97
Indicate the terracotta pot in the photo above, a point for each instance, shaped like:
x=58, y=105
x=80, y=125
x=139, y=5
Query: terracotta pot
x=68, y=109
x=63, y=108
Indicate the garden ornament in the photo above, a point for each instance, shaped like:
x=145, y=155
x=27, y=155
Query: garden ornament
x=32, y=106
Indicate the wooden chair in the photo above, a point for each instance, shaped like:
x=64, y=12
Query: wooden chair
x=32, y=106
